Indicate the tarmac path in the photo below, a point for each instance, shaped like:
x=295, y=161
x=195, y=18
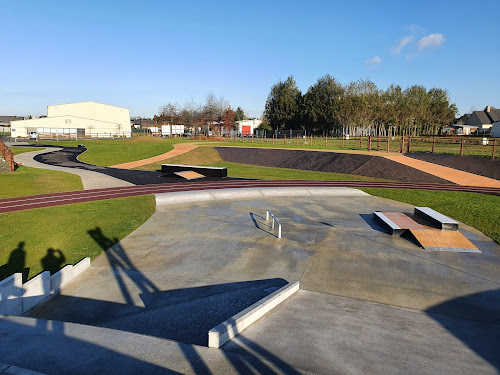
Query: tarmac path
x=57, y=199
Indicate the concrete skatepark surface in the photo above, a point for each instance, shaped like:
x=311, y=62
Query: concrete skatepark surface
x=370, y=303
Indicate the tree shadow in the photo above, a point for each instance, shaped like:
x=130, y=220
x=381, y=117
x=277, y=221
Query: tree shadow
x=15, y=263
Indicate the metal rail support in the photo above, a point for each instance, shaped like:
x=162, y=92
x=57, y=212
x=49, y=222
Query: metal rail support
x=274, y=220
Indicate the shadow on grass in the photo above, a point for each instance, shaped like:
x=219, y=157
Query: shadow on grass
x=15, y=263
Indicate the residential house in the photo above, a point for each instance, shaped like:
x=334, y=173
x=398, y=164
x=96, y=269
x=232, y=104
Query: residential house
x=484, y=120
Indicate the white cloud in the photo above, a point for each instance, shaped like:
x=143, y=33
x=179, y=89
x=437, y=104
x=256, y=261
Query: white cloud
x=430, y=41
x=396, y=49
x=374, y=61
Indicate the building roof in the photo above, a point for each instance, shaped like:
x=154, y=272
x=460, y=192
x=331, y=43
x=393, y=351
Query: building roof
x=493, y=113
x=483, y=117
x=462, y=120
x=8, y=119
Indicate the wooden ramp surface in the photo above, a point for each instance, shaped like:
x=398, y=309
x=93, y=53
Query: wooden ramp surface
x=189, y=175
x=435, y=239
x=404, y=221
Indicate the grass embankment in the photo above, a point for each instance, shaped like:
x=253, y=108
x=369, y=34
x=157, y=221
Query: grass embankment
x=49, y=238
x=33, y=181
x=480, y=211
x=108, y=152
x=206, y=155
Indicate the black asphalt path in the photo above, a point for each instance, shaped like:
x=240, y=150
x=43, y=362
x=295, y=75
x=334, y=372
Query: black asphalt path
x=67, y=157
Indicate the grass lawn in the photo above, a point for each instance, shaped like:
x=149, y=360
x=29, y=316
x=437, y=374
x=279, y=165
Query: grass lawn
x=480, y=211
x=207, y=155
x=108, y=152
x=20, y=150
x=49, y=238
x=33, y=181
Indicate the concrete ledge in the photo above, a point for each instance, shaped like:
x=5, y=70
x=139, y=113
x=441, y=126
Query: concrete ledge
x=436, y=219
x=250, y=193
x=225, y=331
x=16, y=298
x=388, y=224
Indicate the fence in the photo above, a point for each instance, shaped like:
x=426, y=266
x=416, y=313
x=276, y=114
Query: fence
x=458, y=145
x=8, y=156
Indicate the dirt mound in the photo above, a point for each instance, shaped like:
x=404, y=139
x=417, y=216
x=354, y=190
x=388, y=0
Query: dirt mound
x=481, y=166
x=361, y=165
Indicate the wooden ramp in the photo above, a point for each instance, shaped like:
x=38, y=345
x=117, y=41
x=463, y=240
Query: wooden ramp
x=441, y=240
x=189, y=175
x=430, y=238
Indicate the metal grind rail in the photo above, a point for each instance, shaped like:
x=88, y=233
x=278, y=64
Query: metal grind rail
x=268, y=213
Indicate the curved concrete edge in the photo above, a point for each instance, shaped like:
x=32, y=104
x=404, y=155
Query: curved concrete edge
x=225, y=331
x=90, y=179
x=165, y=199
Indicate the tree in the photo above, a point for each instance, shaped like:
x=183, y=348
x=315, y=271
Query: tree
x=170, y=113
x=322, y=103
x=240, y=114
x=283, y=104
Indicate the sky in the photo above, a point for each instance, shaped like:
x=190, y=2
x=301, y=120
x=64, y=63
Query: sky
x=144, y=54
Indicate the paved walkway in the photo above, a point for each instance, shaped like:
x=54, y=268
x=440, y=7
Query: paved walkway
x=179, y=149
x=450, y=174
x=90, y=179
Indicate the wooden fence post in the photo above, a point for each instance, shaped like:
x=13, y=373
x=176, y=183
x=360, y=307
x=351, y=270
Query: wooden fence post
x=388, y=148
x=311, y=139
x=494, y=148
x=433, y=143
x=369, y=143
x=360, y=142
x=409, y=145
x=401, y=149
x=343, y=140
x=284, y=139
x=297, y=139
x=326, y=141
x=462, y=147
x=273, y=139
x=378, y=143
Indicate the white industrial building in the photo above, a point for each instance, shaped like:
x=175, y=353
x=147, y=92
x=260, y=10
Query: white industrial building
x=77, y=119
x=247, y=127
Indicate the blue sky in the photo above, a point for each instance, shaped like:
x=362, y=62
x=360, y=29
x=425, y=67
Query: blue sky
x=143, y=54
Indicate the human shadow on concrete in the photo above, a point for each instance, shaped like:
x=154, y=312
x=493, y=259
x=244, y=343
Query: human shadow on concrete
x=474, y=320
x=53, y=260
x=122, y=266
x=15, y=263
x=185, y=314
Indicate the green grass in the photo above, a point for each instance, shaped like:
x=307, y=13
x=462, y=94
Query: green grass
x=108, y=152
x=480, y=211
x=32, y=181
x=19, y=150
x=66, y=229
x=207, y=155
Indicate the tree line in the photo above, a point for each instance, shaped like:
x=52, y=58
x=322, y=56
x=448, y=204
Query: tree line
x=216, y=112
x=358, y=108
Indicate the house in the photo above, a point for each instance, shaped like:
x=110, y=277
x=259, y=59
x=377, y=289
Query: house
x=483, y=120
x=246, y=128
x=78, y=119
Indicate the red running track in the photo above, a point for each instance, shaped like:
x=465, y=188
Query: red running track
x=70, y=197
